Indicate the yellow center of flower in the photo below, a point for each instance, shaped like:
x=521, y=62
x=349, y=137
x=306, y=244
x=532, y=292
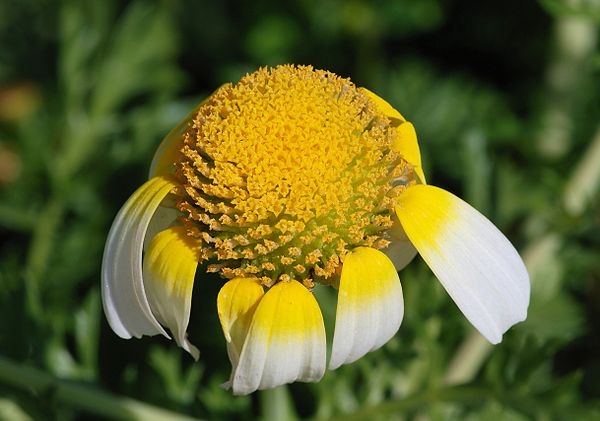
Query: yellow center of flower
x=285, y=172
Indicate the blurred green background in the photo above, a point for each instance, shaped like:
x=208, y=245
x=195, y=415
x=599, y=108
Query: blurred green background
x=505, y=97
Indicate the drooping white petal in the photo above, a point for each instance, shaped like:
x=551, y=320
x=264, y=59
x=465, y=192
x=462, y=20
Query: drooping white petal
x=123, y=295
x=370, y=306
x=169, y=269
x=285, y=343
x=473, y=260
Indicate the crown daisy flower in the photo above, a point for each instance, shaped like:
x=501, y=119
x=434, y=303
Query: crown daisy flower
x=289, y=178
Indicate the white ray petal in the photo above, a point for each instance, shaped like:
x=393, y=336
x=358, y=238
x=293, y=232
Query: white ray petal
x=474, y=261
x=370, y=306
x=285, y=343
x=123, y=295
x=236, y=304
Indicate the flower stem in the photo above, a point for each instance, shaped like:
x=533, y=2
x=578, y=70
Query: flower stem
x=277, y=404
x=470, y=356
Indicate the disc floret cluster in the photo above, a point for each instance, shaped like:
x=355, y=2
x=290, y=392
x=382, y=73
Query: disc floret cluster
x=287, y=171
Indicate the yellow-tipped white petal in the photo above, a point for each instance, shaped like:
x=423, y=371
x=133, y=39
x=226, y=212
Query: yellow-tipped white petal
x=285, y=343
x=123, y=294
x=473, y=260
x=236, y=304
x=370, y=306
x=406, y=143
x=169, y=269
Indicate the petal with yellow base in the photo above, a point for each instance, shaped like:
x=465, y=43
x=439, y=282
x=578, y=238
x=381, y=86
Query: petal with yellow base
x=123, y=293
x=164, y=217
x=236, y=304
x=169, y=270
x=370, y=306
x=473, y=260
x=408, y=146
x=406, y=143
x=384, y=106
x=285, y=343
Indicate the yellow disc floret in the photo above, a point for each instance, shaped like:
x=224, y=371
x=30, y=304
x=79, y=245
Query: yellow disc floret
x=285, y=172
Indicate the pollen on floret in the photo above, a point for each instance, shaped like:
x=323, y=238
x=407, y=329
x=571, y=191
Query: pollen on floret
x=285, y=172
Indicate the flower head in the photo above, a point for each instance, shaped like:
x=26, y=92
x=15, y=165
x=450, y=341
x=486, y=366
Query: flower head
x=291, y=177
